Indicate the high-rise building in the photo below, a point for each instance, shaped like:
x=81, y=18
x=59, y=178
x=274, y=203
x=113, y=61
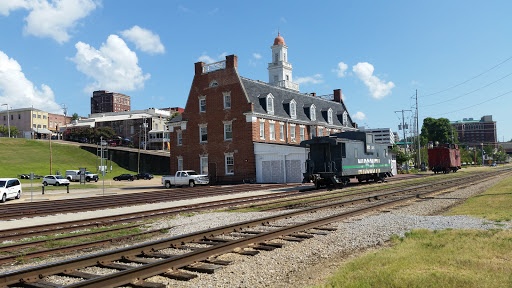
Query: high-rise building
x=104, y=101
x=475, y=132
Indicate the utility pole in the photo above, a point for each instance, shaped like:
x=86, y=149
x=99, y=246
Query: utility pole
x=50, y=140
x=418, y=131
x=405, y=139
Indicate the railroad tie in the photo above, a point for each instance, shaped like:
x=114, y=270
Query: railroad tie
x=41, y=284
x=179, y=275
x=78, y=274
x=116, y=266
x=203, y=268
x=218, y=262
x=146, y=284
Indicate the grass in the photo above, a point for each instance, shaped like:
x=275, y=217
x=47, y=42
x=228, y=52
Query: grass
x=24, y=156
x=448, y=258
x=494, y=204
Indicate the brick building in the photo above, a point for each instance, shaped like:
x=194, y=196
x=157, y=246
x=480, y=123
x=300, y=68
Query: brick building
x=474, y=132
x=104, y=101
x=237, y=129
x=56, y=121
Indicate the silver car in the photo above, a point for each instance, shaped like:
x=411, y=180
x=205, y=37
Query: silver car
x=55, y=180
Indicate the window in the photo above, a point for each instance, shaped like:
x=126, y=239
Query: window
x=320, y=131
x=270, y=104
x=355, y=153
x=272, y=130
x=293, y=109
x=230, y=163
x=34, y=125
x=38, y=125
x=312, y=112
x=329, y=116
x=202, y=104
x=276, y=57
x=214, y=84
x=228, y=131
x=156, y=126
x=12, y=117
x=19, y=116
x=345, y=118
x=132, y=130
x=203, y=134
x=5, y=117
x=275, y=78
x=44, y=117
x=302, y=132
x=313, y=131
x=288, y=77
x=204, y=164
x=44, y=126
x=33, y=115
x=51, y=124
x=281, y=131
x=262, y=129
x=39, y=116
x=227, y=100
x=179, y=138
x=284, y=57
x=292, y=133
x=180, y=163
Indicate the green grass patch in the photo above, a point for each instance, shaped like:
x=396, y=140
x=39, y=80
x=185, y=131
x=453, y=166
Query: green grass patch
x=448, y=258
x=24, y=156
x=494, y=204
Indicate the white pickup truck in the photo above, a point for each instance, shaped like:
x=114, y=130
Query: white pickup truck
x=187, y=177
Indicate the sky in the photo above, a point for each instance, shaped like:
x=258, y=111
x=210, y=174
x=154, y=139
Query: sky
x=456, y=54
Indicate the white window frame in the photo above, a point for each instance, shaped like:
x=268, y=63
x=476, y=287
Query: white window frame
x=180, y=163
x=272, y=130
x=228, y=128
x=214, y=83
x=262, y=129
x=227, y=158
x=292, y=132
x=293, y=109
x=281, y=131
x=203, y=164
x=227, y=100
x=329, y=116
x=179, y=138
x=302, y=133
x=345, y=118
x=202, y=108
x=312, y=112
x=270, y=104
x=320, y=131
x=203, y=130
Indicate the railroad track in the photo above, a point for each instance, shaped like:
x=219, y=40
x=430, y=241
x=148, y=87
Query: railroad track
x=166, y=257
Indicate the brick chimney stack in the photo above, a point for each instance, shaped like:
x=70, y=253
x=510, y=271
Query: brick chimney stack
x=199, y=68
x=231, y=61
x=337, y=95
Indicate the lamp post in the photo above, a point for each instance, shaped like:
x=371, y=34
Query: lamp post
x=8, y=125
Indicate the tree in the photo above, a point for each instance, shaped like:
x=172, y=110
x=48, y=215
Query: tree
x=5, y=130
x=75, y=116
x=106, y=132
x=437, y=130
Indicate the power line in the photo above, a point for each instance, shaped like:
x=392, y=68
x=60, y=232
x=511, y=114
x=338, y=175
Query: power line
x=474, y=77
x=465, y=94
x=506, y=93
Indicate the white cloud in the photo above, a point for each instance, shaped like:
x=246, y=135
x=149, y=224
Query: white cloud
x=256, y=55
x=144, y=40
x=341, y=70
x=17, y=91
x=207, y=59
x=359, y=116
x=378, y=88
x=6, y=6
x=113, y=67
x=55, y=19
x=315, y=79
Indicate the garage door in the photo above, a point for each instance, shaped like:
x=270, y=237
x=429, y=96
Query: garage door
x=272, y=171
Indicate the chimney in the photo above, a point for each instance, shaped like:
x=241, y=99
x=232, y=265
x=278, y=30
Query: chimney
x=313, y=94
x=231, y=61
x=337, y=95
x=199, y=68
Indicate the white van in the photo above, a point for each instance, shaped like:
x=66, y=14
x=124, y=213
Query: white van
x=9, y=188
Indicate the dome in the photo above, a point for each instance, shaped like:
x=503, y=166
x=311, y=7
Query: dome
x=279, y=40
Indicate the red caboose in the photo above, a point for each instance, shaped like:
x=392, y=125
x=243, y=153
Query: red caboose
x=444, y=158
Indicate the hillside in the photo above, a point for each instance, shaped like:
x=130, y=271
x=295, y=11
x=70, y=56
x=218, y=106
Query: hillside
x=23, y=156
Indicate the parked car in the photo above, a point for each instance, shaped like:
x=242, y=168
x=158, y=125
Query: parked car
x=494, y=165
x=128, y=177
x=55, y=180
x=145, y=176
x=187, y=177
x=9, y=188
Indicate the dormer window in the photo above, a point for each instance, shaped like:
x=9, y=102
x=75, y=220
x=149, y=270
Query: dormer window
x=293, y=109
x=214, y=83
x=270, y=104
x=345, y=118
x=312, y=112
x=329, y=116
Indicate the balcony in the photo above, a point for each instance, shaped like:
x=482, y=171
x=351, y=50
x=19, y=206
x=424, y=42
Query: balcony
x=286, y=84
x=214, y=66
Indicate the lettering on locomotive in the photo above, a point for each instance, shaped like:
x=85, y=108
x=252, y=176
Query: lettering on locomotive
x=368, y=171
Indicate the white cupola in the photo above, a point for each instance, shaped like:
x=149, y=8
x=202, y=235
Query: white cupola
x=280, y=71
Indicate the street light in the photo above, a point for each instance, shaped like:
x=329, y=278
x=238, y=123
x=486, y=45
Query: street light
x=8, y=125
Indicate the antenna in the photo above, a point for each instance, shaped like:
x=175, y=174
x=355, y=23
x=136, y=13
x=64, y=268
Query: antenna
x=65, y=109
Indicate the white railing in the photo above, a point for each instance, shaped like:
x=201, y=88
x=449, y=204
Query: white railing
x=214, y=66
x=285, y=64
x=287, y=84
x=327, y=97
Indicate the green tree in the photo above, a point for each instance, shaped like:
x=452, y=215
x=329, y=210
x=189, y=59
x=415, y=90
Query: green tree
x=75, y=116
x=106, y=132
x=4, y=130
x=437, y=130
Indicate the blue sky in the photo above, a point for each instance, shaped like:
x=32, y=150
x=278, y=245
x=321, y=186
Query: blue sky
x=378, y=52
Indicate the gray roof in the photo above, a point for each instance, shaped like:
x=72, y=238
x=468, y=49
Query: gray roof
x=257, y=91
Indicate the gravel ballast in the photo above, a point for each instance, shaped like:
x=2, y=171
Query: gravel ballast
x=309, y=262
